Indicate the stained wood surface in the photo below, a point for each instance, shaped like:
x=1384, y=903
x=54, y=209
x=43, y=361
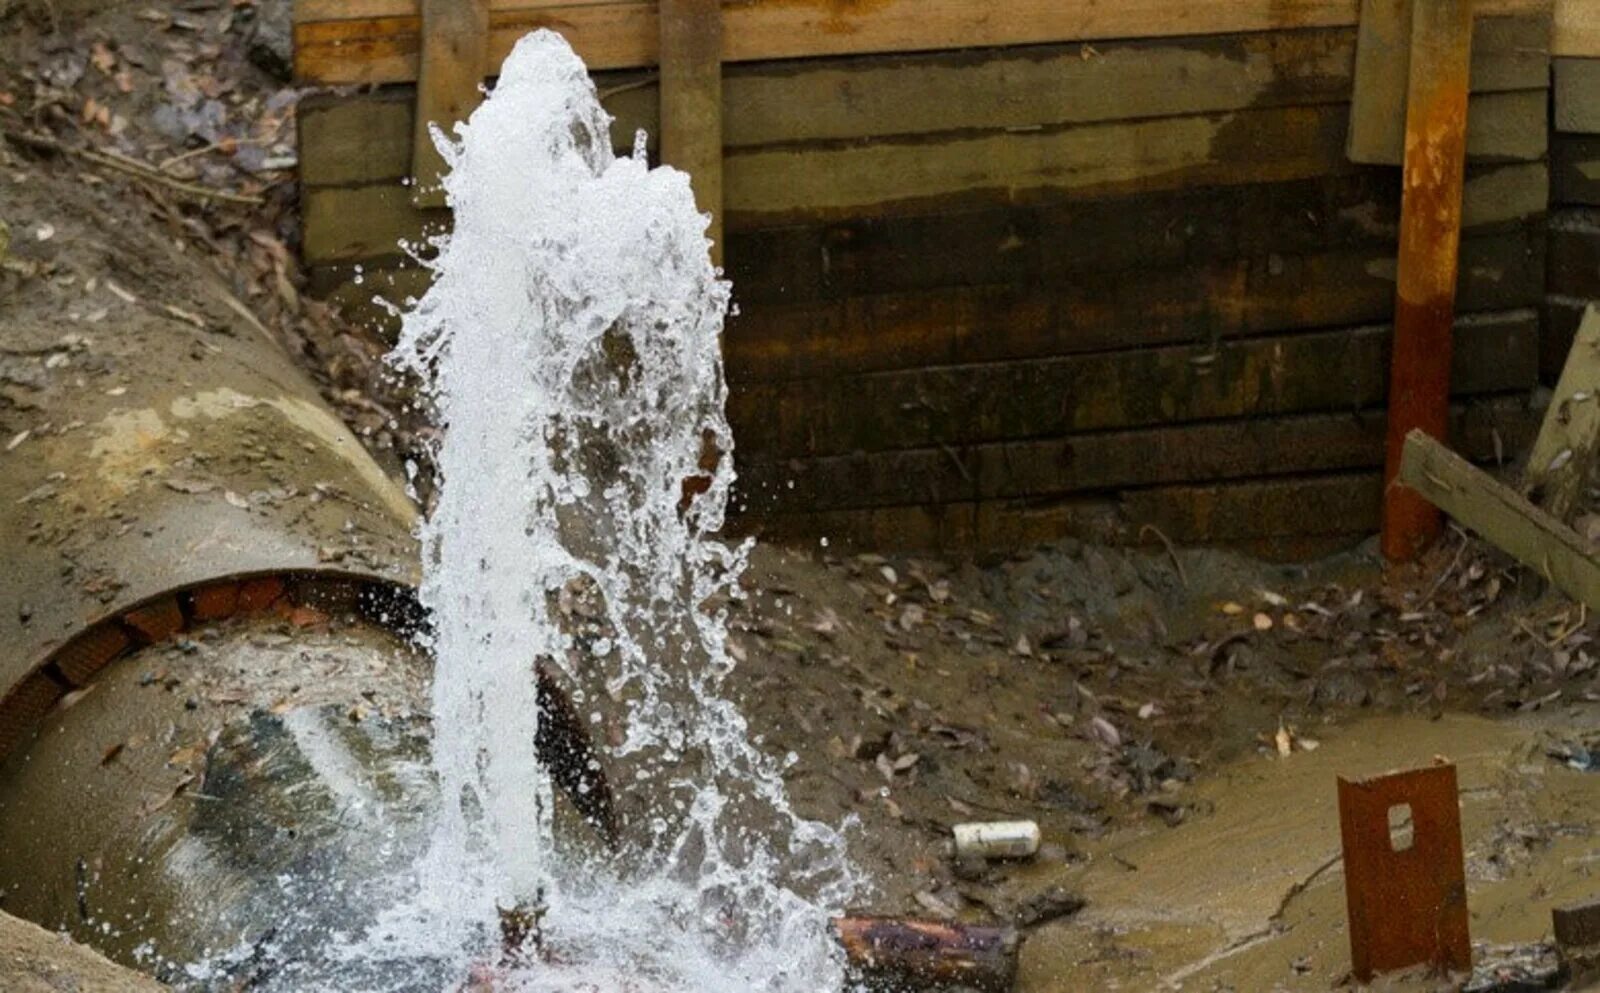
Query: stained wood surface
x=1378, y=93
x=1562, y=457
x=876, y=97
x=691, y=102
x=1575, y=169
x=338, y=42
x=999, y=401
x=774, y=186
x=454, y=62
x=1116, y=460
x=1577, y=94
x=1502, y=517
x=1577, y=28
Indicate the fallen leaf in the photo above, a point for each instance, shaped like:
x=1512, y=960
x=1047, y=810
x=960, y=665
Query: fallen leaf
x=1284, y=740
x=1231, y=609
x=1262, y=622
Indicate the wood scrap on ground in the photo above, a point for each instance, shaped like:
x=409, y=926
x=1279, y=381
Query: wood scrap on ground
x=1501, y=516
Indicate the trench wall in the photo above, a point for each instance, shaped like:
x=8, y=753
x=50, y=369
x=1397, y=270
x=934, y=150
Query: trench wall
x=990, y=296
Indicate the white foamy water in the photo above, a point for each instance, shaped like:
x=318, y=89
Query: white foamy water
x=571, y=343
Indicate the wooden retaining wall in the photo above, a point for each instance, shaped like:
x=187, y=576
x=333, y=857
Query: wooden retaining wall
x=1574, y=247
x=992, y=295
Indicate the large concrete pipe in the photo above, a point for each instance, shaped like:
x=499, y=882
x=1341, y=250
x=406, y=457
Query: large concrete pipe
x=212, y=721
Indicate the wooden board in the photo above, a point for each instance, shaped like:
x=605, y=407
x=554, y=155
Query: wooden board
x=1577, y=95
x=1003, y=401
x=1378, y=95
x=338, y=43
x=1577, y=28
x=866, y=97
x=777, y=186
x=1111, y=460
x=1575, y=169
x=1573, y=258
x=1563, y=455
x=1377, y=121
x=1502, y=517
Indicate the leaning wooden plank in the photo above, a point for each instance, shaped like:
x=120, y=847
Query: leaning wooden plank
x=691, y=102
x=1502, y=517
x=1577, y=95
x=1000, y=401
x=455, y=60
x=381, y=47
x=1430, y=241
x=1564, y=453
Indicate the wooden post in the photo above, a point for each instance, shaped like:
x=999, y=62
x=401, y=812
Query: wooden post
x=1430, y=236
x=455, y=60
x=1377, y=133
x=691, y=101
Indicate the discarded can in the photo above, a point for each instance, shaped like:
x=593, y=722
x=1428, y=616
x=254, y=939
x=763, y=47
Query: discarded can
x=997, y=840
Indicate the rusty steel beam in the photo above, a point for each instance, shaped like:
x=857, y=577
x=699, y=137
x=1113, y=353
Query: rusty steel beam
x=1430, y=236
x=1407, y=898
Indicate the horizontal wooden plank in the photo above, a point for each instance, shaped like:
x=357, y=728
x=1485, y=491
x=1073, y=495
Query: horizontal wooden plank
x=774, y=186
x=1036, y=243
x=1577, y=95
x=1573, y=257
x=1575, y=169
x=333, y=46
x=362, y=137
x=1006, y=401
x=1114, y=460
x=1200, y=301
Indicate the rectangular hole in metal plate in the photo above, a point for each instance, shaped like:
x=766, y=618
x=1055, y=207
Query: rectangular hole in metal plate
x=1400, y=835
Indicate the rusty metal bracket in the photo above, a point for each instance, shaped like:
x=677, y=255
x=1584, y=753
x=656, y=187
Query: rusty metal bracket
x=1405, y=871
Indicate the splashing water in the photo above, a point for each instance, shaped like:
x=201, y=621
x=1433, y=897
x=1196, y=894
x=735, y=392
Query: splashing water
x=571, y=343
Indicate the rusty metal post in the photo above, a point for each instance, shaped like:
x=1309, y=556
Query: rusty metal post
x=1407, y=896
x=1430, y=235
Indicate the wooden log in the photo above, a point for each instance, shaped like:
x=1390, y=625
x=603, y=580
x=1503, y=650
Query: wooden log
x=1563, y=454
x=1488, y=430
x=1577, y=95
x=454, y=62
x=1500, y=516
x=346, y=138
x=1430, y=233
x=1002, y=401
x=376, y=42
x=904, y=955
x=691, y=102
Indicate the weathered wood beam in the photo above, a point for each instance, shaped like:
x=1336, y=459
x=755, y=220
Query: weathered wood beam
x=1565, y=450
x=454, y=63
x=1378, y=96
x=691, y=102
x=1502, y=517
x=1430, y=236
x=376, y=41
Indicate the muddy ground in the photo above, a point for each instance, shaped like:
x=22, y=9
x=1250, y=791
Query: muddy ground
x=1174, y=721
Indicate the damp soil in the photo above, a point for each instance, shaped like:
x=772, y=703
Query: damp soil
x=1176, y=725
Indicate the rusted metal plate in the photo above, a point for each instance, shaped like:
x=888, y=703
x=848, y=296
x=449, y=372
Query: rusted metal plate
x=1430, y=237
x=1404, y=870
